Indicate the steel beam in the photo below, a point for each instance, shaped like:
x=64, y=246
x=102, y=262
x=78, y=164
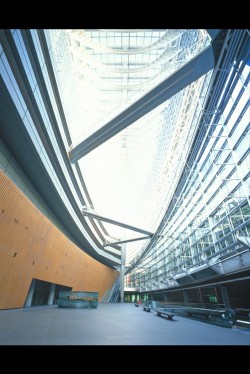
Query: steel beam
x=128, y=240
x=190, y=72
x=113, y=222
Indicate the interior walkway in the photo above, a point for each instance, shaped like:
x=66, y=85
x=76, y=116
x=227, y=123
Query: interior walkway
x=109, y=324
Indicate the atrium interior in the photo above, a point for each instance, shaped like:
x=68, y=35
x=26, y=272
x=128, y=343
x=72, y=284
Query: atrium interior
x=125, y=165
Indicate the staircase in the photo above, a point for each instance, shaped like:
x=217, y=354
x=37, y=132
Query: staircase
x=114, y=293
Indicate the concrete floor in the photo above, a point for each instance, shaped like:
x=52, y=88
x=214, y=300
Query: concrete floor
x=109, y=324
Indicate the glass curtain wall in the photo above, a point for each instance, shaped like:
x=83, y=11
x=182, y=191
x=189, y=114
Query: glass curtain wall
x=210, y=220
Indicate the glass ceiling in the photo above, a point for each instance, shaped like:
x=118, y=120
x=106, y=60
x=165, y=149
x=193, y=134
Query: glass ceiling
x=130, y=178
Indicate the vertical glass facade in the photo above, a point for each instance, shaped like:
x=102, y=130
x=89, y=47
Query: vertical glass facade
x=206, y=231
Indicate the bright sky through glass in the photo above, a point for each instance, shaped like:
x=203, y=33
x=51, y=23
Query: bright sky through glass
x=100, y=73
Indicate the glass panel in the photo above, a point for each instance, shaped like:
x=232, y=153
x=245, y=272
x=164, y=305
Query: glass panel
x=12, y=86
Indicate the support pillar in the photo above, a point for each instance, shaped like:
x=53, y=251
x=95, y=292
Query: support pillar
x=29, y=297
x=225, y=298
x=185, y=296
x=122, y=271
x=51, y=294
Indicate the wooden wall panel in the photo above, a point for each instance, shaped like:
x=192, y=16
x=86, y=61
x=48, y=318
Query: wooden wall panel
x=32, y=247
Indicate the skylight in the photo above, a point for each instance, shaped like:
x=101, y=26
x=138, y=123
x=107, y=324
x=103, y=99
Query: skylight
x=99, y=74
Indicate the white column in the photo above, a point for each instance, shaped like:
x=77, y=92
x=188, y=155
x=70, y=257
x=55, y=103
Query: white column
x=28, y=300
x=51, y=294
x=122, y=271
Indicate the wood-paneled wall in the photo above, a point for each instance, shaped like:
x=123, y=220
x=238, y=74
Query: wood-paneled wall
x=32, y=247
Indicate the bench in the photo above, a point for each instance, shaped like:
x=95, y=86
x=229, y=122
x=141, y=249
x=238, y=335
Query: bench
x=242, y=323
x=165, y=312
x=146, y=308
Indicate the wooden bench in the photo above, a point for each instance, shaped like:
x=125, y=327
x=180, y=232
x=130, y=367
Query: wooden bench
x=165, y=312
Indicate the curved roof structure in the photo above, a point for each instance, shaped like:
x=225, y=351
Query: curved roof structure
x=113, y=119
x=129, y=97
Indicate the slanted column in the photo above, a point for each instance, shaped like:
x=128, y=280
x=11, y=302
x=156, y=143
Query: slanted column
x=29, y=297
x=51, y=294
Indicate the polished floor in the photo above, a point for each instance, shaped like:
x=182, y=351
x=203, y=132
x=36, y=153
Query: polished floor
x=109, y=324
